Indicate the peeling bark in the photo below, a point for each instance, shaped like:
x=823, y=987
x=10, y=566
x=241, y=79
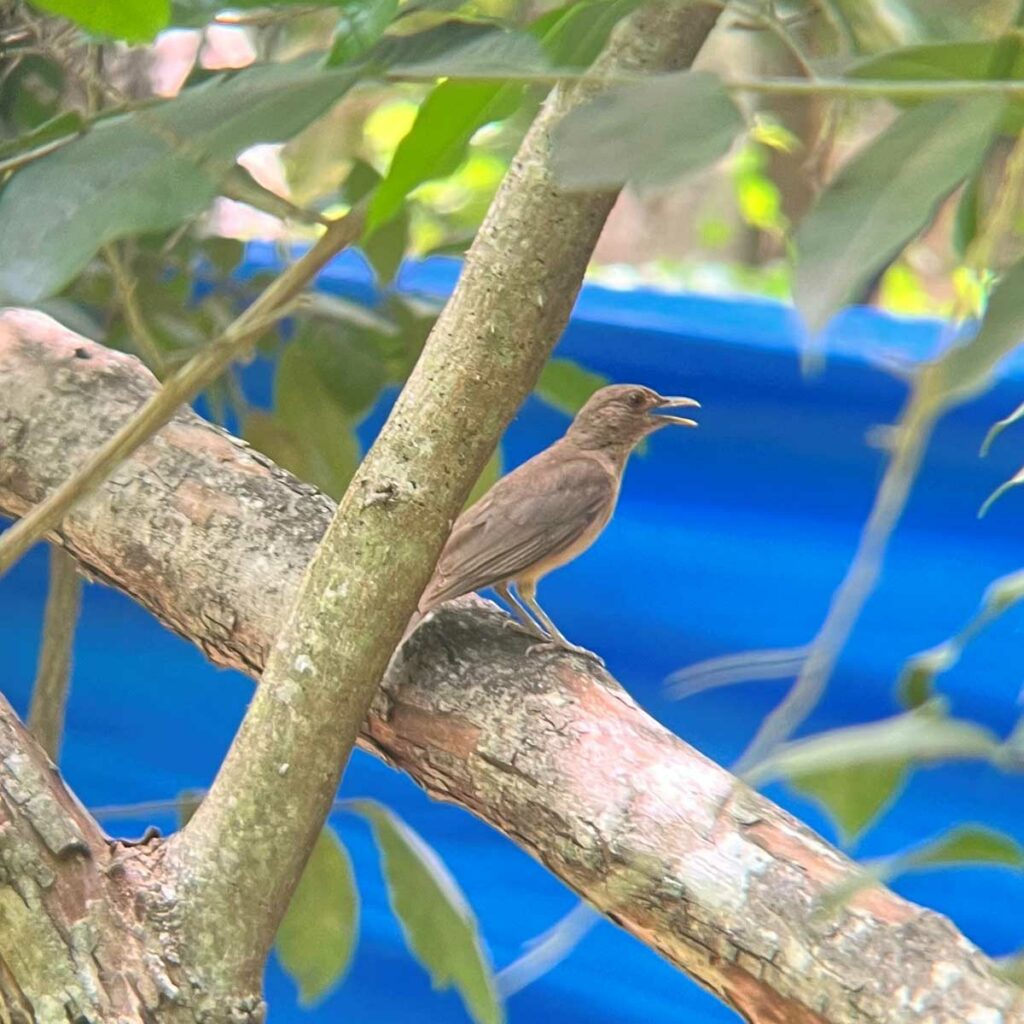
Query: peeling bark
x=548, y=749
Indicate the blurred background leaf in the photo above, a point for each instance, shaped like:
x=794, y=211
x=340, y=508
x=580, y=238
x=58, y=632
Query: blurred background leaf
x=317, y=936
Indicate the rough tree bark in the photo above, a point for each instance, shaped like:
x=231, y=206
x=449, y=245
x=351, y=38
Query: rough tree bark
x=212, y=538
x=230, y=872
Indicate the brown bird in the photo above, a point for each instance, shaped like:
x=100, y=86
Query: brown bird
x=550, y=509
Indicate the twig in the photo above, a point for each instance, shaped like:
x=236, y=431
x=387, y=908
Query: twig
x=911, y=434
x=53, y=675
x=197, y=374
x=124, y=281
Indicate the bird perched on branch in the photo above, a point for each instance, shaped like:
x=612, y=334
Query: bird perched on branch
x=550, y=509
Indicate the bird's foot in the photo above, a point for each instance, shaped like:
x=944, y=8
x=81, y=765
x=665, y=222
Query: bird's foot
x=564, y=645
x=520, y=627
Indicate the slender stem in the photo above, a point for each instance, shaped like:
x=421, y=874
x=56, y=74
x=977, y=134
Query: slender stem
x=147, y=345
x=912, y=433
x=53, y=674
x=197, y=374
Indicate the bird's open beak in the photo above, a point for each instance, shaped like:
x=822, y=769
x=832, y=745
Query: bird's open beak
x=659, y=414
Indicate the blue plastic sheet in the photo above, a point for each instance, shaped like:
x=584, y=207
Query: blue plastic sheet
x=727, y=538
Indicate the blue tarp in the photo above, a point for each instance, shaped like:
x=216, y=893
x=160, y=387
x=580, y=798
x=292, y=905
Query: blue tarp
x=727, y=538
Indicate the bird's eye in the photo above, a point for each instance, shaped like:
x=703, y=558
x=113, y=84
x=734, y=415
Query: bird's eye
x=637, y=399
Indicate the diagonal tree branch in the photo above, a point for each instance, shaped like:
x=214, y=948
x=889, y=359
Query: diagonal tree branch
x=550, y=751
x=242, y=853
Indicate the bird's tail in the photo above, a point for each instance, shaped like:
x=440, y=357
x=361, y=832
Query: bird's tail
x=417, y=618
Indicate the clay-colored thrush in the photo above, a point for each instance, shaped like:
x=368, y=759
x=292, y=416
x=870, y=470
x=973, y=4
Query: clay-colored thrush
x=550, y=509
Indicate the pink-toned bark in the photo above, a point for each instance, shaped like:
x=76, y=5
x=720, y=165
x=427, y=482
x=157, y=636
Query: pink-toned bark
x=213, y=538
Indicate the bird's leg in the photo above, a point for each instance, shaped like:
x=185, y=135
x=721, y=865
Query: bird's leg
x=525, y=622
x=555, y=638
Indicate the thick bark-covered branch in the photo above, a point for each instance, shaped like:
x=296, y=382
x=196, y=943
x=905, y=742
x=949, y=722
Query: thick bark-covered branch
x=82, y=918
x=213, y=539
x=241, y=855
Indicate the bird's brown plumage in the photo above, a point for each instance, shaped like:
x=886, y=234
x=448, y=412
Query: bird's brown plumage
x=551, y=508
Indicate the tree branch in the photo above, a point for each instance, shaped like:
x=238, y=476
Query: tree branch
x=242, y=853
x=213, y=538
x=53, y=676
x=199, y=372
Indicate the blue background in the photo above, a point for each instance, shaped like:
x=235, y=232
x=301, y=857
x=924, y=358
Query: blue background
x=727, y=538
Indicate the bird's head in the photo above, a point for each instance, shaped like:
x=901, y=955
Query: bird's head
x=621, y=415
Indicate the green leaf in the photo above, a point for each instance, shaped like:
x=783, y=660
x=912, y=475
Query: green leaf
x=461, y=49
x=317, y=936
x=883, y=197
x=916, y=684
x=964, y=369
x=436, y=921
x=650, y=133
x=347, y=365
x=359, y=182
x=437, y=141
x=455, y=111
x=999, y=426
x=567, y=385
x=963, y=845
x=966, y=222
x=136, y=21
x=970, y=60
x=967, y=844
x=854, y=796
x=40, y=140
x=195, y=13
x=362, y=23
x=924, y=735
x=147, y=171
x=385, y=247
x=267, y=434
x=318, y=425
x=573, y=35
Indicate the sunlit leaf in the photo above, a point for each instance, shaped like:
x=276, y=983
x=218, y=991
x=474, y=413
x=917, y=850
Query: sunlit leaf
x=924, y=735
x=438, y=924
x=146, y=171
x=436, y=144
x=567, y=385
x=854, y=796
x=966, y=367
x=650, y=133
x=362, y=23
x=317, y=935
x=136, y=21
x=883, y=197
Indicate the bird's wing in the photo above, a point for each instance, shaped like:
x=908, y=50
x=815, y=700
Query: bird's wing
x=538, y=510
